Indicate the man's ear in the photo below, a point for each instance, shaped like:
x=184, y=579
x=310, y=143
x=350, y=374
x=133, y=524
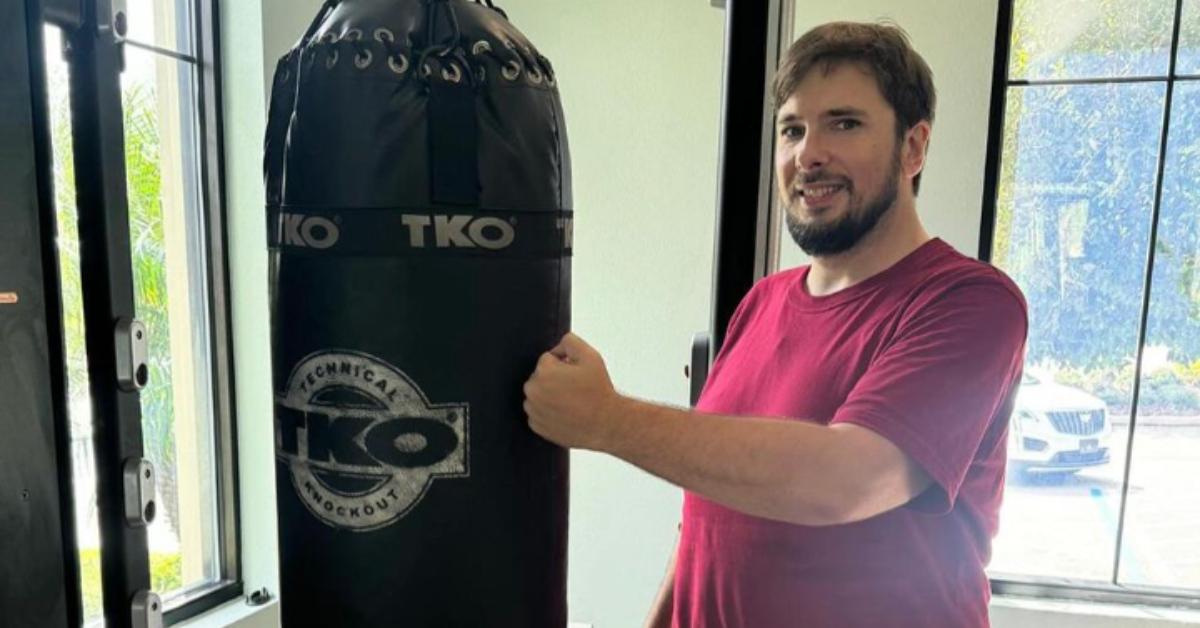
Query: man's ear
x=916, y=147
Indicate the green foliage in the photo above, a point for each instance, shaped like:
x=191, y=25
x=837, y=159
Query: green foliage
x=144, y=193
x=1171, y=391
x=144, y=176
x=1059, y=38
x=166, y=574
x=1112, y=384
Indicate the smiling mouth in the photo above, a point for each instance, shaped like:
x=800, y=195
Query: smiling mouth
x=818, y=194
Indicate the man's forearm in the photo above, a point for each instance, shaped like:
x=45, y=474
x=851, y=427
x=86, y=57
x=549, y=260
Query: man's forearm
x=784, y=470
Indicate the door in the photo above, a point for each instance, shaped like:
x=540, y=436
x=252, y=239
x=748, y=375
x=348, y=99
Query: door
x=41, y=584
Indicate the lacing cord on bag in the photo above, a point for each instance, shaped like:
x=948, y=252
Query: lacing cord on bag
x=448, y=47
x=454, y=60
x=323, y=13
x=488, y=4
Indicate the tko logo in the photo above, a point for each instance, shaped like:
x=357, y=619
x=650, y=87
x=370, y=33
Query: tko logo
x=312, y=232
x=362, y=442
x=458, y=231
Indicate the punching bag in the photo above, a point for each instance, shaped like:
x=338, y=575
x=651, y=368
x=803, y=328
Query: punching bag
x=419, y=217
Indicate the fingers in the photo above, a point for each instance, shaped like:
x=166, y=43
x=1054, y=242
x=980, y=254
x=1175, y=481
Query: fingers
x=571, y=349
x=547, y=360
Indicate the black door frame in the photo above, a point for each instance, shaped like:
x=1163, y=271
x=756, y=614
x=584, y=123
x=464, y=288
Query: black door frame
x=757, y=33
x=94, y=53
x=40, y=566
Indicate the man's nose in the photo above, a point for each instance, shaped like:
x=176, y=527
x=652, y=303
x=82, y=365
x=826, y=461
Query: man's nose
x=811, y=153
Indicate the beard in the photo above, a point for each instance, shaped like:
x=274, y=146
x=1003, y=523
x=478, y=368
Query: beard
x=861, y=217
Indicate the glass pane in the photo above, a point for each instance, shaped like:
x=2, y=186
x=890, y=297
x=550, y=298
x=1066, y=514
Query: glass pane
x=1072, y=228
x=1160, y=546
x=171, y=294
x=1188, y=61
x=79, y=403
x=1060, y=39
x=161, y=23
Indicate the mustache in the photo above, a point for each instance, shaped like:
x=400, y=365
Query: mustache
x=819, y=177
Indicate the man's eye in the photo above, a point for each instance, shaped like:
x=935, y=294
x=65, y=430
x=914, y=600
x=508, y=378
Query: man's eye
x=846, y=125
x=792, y=132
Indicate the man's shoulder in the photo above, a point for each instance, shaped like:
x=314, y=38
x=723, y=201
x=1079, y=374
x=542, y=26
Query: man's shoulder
x=950, y=270
x=781, y=278
x=776, y=284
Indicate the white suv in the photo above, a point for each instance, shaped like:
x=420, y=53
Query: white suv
x=1056, y=428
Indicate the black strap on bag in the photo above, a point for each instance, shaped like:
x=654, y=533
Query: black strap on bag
x=453, y=127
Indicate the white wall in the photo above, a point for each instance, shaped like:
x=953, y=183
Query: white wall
x=242, y=33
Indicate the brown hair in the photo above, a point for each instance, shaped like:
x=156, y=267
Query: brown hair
x=904, y=78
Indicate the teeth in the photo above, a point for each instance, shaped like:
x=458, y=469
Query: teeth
x=821, y=191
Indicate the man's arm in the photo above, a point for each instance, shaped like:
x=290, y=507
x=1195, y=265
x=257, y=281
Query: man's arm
x=662, y=610
x=792, y=471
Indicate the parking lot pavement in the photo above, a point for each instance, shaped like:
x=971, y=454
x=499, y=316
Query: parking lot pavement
x=1067, y=527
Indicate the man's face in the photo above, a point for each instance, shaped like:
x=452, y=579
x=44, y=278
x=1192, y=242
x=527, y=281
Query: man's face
x=837, y=158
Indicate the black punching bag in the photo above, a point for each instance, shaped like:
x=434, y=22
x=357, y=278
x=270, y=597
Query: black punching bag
x=418, y=196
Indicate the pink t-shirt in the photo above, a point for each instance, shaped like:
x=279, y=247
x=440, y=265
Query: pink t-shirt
x=927, y=353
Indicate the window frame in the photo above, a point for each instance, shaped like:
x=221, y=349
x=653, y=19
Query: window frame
x=205, y=20
x=1066, y=588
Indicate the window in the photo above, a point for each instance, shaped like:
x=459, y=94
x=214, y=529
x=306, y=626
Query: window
x=1097, y=218
x=176, y=235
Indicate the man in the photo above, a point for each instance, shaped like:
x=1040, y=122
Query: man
x=844, y=465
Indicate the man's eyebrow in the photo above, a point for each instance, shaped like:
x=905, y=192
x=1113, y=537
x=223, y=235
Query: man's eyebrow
x=836, y=112
x=842, y=112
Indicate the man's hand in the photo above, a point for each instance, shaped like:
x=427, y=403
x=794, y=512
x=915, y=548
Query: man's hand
x=570, y=396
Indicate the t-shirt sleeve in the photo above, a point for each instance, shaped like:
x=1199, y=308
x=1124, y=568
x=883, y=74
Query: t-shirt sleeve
x=935, y=388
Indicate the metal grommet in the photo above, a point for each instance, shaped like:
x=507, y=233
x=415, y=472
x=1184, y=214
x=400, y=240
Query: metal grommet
x=330, y=38
x=550, y=82
x=398, y=63
x=353, y=34
x=361, y=61
x=511, y=70
x=535, y=75
x=384, y=35
x=508, y=43
x=481, y=47
x=426, y=71
x=452, y=73
x=481, y=74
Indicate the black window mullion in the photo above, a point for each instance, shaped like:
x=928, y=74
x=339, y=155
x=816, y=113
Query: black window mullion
x=106, y=267
x=744, y=177
x=1143, y=323
x=995, y=141
x=212, y=152
x=1087, y=81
